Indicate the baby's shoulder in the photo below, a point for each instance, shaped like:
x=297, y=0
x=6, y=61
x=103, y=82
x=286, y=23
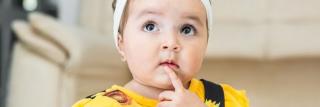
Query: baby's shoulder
x=225, y=94
x=234, y=97
x=113, y=98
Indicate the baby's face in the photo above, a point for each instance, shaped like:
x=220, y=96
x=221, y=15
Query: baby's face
x=162, y=33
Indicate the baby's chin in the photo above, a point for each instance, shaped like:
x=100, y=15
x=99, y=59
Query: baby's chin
x=163, y=83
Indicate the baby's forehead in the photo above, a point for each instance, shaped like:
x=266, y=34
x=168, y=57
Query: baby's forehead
x=191, y=5
x=193, y=8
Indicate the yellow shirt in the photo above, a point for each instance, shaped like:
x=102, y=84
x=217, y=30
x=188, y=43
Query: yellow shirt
x=233, y=97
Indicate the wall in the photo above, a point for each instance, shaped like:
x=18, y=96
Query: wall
x=286, y=83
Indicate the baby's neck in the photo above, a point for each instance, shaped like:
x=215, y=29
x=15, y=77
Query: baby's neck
x=144, y=90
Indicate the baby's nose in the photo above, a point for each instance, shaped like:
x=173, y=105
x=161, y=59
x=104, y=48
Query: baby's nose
x=171, y=42
x=171, y=47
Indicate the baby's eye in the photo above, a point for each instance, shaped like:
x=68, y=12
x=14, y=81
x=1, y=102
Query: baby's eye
x=188, y=30
x=150, y=27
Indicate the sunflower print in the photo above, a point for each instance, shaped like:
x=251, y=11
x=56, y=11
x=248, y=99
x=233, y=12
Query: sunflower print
x=211, y=103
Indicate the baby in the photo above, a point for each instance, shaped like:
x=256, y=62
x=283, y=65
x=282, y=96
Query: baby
x=163, y=43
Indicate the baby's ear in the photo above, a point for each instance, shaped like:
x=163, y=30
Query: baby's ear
x=120, y=47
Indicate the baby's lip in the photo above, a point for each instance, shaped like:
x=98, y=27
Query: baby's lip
x=170, y=63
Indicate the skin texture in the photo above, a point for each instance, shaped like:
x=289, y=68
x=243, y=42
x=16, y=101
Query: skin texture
x=160, y=31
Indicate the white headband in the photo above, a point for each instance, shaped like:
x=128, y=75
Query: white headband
x=120, y=7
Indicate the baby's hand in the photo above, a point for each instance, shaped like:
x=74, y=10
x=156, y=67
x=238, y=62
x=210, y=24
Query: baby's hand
x=180, y=97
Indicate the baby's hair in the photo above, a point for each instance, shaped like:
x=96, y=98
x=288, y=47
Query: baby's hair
x=114, y=2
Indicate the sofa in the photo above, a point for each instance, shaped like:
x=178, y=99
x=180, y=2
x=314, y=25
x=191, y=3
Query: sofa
x=54, y=65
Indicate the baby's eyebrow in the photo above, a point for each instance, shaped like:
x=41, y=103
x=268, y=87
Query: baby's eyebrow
x=148, y=11
x=194, y=18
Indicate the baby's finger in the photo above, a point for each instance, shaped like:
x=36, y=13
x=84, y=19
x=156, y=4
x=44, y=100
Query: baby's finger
x=176, y=82
x=166, y=96
x=164, y=104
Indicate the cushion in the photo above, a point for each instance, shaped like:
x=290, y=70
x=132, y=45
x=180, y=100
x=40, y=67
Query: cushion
x=84, y=48
x=41, y=45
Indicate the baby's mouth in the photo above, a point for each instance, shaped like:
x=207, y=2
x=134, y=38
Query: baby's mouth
x=171, y=64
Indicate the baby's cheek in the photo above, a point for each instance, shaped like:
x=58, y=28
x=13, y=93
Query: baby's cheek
x=191, y=64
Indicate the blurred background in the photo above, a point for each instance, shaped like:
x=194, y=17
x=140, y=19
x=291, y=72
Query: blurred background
x=55, y=52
